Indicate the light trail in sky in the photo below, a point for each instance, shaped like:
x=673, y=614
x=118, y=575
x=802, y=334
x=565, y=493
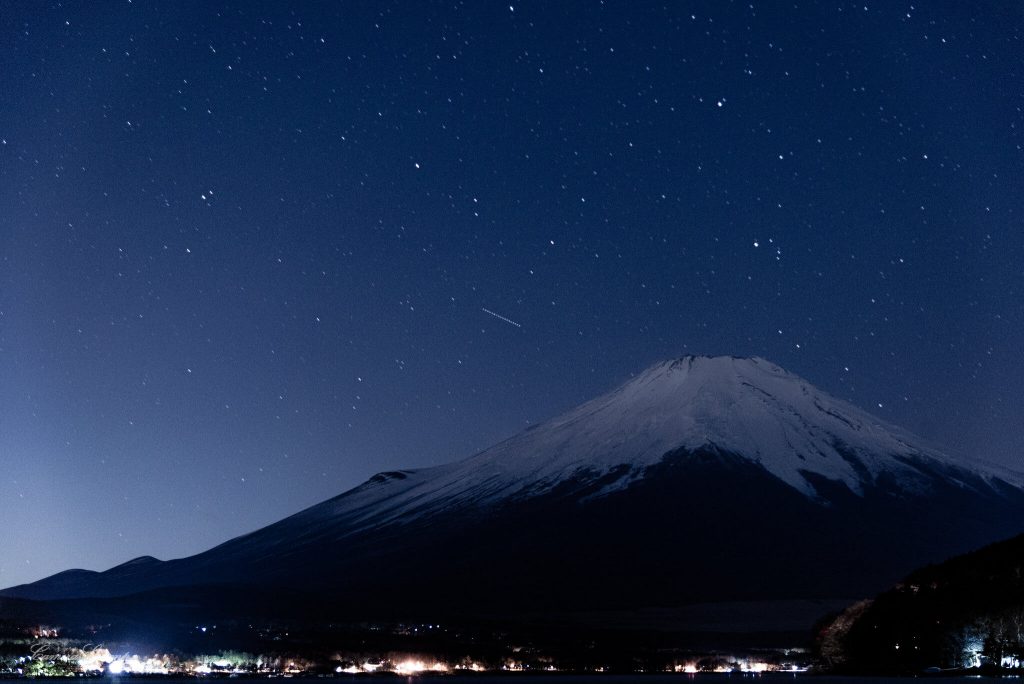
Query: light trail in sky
x=499, y=316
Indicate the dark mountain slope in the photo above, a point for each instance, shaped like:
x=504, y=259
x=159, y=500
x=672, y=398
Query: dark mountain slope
x=965, y=612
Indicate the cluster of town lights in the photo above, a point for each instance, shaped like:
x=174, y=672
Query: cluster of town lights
x=747, y=667
x=101, y=659
x=56, y=658
x=409, y=666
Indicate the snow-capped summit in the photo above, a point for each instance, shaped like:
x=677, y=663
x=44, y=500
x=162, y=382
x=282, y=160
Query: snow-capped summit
x=744, y=406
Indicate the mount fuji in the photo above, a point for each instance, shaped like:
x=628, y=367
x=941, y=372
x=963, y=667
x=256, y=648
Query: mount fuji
x=700, y=480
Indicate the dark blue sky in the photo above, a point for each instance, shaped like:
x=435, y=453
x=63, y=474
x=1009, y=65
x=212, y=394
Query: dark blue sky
x=246, y=249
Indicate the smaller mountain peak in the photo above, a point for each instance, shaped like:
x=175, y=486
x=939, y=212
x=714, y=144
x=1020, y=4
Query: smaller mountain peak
x=141, y=560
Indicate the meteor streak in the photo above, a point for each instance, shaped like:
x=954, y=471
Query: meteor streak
x=499, y=316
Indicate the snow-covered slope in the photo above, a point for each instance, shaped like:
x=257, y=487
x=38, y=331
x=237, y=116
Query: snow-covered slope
x=745, y=406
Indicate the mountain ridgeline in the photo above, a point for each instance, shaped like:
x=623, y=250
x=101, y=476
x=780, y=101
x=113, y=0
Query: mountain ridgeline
x=700, y=480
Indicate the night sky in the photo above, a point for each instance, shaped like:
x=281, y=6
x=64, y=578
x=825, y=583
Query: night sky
x=251, y=254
